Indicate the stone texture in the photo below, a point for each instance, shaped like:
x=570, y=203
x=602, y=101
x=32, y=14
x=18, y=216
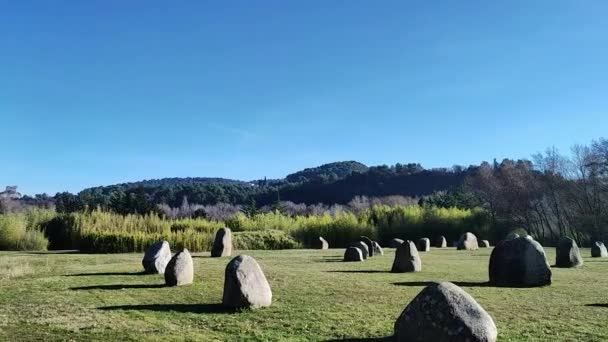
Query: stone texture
x=443, y=312
x=598, y=250
x=468, y=242
x=512, y=236
x=377, y=249
x=245, y=285
x=222, y=245
x=424, y=245
x=519, y=262
x=394, y=243
x=370, y=246
x=363, y=247
x=407, y=258
x=157, y=257
x=484, y=244
x=441, y=242
x=567, y=253
x=353, y=254
x=180, y=269
x=321, y=243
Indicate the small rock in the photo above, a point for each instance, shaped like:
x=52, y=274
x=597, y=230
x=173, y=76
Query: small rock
x=353, y=254
x=407, y=258
x=222, y=245
x=245, y=285
x=180, y=269
x=157, y=257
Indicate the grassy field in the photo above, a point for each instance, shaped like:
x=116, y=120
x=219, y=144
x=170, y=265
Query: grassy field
x=79, y=297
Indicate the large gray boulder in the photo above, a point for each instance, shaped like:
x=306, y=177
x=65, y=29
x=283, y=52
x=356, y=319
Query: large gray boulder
x=598, y=250
x=468, y=241
x=245, y=285
x=377, y=249
x=394, y=243
x=407, y=258
x=321, y=243
x=222, y=245
x=484, y=244
x=443, y=312
x=519, y=262
x=363, y=247
x=353, y=254
x=180, y=269
x=424, y=245
x=567, y=253
x=370, y=245
x=441, y=242
x=157, y=257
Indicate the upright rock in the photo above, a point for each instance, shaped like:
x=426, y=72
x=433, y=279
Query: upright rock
x=424, y=245
x=468, y=242
x=567, y=253
x=370, y=246
x=441, y=242
x=484, y=244
x=321, y=243
x=245, y=285
x=157, y=257
x=363, y=247
x=394, y=243
x=222, y=245
x=377, y=249
x=443, y=312
x=353, y=254
x=519, y=262
x=598, y=250
x=180, y=269
x=407, y=258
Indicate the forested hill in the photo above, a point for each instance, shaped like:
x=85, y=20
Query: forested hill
x=330, y=183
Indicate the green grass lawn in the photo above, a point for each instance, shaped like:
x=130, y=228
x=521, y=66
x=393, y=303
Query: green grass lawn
x=79, y=297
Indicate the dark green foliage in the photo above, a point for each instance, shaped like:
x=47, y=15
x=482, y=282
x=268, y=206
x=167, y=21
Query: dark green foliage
x=267, y=240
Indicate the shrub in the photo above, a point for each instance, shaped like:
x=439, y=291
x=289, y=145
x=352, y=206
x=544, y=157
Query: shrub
x=33, y=240
x=12, y=230
x=268, y=240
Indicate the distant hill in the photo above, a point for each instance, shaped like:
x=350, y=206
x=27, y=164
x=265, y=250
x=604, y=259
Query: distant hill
x=327, y=173
x=330, y=183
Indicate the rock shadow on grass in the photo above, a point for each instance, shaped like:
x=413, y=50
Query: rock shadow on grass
x=458, y=283
x=368, y=339
x=118, y=287
x=358, y=271
x=183, y=308
x=106, y=274
x=598, y=305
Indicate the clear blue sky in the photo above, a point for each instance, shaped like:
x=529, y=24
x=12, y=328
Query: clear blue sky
x=101, y=92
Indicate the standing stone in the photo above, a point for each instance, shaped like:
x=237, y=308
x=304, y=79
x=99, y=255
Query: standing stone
x=468, y=242
x=353, y=254
x=377, y=249
x=484, y=244
x=222, y=245
x=180, y=269
x=407, y=258
x=443, y=312
x=245, y=285
x=512, y=236
x=519, y=262
x=394, y=243
x=370, y=246
x=598, y=250
x=424, y=245
x=157, y=257
x=441, y=242
x=321, y=243
x=363, y=247
x=567, y=253
x=529, y=237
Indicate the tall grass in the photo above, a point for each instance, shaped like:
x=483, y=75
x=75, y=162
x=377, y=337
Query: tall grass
x=106, y=232
x=23, y=231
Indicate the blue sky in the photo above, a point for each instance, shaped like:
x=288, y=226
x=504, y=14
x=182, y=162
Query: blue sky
x=101, y=92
